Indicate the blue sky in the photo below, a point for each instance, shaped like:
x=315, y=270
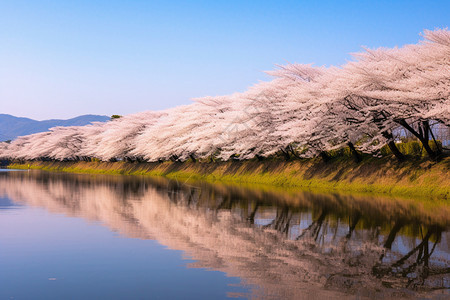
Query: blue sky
x=60, y=59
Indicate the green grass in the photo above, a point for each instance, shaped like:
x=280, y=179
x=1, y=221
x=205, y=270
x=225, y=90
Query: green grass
x=422, y=178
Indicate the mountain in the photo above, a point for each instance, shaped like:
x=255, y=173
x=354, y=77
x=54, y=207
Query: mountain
x=12, y=127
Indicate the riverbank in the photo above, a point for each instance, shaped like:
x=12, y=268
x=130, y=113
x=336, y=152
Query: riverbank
x=380, y=176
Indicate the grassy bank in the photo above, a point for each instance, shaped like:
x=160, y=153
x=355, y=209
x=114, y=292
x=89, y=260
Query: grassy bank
x=380, y=176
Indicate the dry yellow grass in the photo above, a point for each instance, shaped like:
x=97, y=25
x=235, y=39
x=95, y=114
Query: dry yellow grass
x=381, y=176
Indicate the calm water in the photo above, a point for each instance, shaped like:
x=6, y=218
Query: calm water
x=114, y=237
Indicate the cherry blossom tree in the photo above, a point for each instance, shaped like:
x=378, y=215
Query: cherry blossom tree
x=304, y=111
x=406, y=86
x=117, y=137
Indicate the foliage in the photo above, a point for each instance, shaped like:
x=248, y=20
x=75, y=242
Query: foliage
x=303, y=112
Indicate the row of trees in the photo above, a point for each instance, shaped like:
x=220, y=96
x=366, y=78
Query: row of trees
x=304, y=111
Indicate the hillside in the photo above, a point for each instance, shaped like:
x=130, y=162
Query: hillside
x=12, y=127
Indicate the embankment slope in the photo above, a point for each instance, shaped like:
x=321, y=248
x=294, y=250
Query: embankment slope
x=381, y=176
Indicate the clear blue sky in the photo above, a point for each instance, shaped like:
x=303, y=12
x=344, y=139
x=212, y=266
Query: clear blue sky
x=60, y=59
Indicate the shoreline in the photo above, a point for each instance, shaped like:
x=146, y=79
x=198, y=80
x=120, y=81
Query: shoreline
x=374, y=176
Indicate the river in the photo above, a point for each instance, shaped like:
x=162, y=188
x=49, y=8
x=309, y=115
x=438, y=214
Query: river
x=71, y=236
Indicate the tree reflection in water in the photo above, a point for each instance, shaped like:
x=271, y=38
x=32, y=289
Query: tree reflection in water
x=283, y=244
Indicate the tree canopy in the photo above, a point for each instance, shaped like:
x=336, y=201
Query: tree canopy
x=303, y=111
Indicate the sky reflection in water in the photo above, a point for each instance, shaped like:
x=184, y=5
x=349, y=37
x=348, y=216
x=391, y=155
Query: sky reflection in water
x=82, y=236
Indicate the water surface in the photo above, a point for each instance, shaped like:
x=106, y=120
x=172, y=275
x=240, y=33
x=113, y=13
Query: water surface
x=92, y=237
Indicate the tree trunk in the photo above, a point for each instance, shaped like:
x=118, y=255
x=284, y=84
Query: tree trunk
x=251, y=217
x=355, y=153
x=325, y=156
x=285, y=154
x=352, y=225
x=393, y=233
x=292, y=150
x=392, y=146
x=421, y=135
x=438, y=148
x=193, y=158
x=426, y=130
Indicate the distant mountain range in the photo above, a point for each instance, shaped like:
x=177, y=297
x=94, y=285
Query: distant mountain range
x=12, y=127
